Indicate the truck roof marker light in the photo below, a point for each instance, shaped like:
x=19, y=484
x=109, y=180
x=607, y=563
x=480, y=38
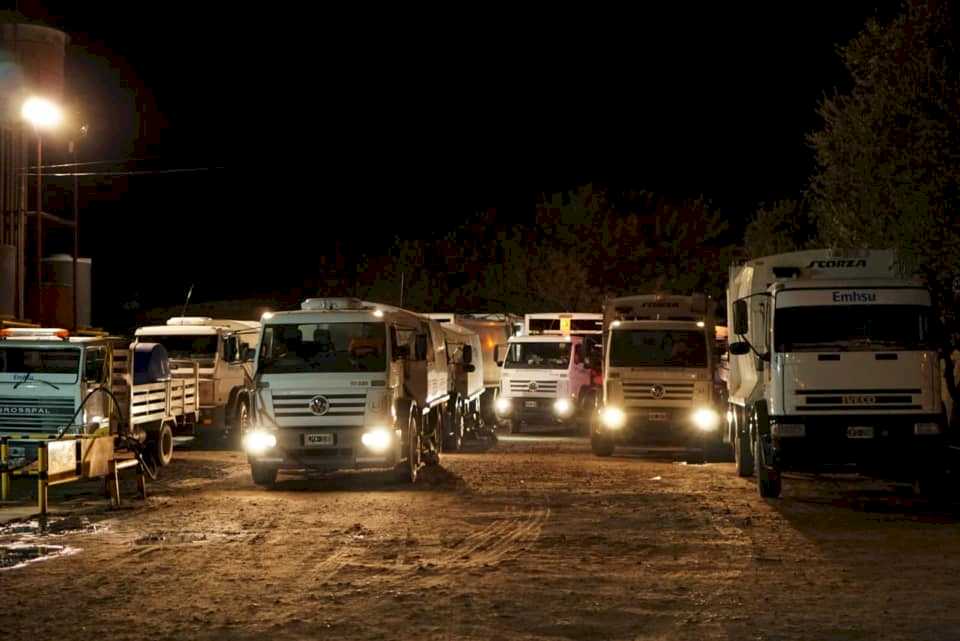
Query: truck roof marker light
x=378, y=313
x=701, y=324
x=266, y=316
x=615, y=323
x=35, y=332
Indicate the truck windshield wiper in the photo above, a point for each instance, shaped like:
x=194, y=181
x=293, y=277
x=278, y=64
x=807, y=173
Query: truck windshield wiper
x=39, y=380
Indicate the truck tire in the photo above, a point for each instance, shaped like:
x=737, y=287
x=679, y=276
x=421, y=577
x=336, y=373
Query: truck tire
x=769, y=484
x=241, y=423
x=263, y=475
x=601, y=445
x=409, y=468
x=588, y=406
x=453, y=434
x=160, y=445
x=742, y=449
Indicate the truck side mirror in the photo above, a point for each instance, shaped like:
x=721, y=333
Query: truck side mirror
x=467, y=355
x=420, y=348
x=740, y=314
x=230, y=349
x=739, y=348
x=500, y=354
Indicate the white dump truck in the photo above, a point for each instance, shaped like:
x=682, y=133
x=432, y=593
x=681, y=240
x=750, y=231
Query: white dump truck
x=347, y=384
x=68, y=403
x=833, y=366
x=659, y=375
x=464, y=417
x=493, y=330
x=548, y=377
x=224, y=349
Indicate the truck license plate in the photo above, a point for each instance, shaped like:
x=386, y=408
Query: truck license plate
x=529, y=403
x=859, y=432
x=657, y=416
x=317, y=440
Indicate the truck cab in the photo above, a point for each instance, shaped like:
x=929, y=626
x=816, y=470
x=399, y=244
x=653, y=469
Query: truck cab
x=834, y=366
x=659, y=375
x=545, y=379
x=54, y=385
x=224, y=350
x=346, y=384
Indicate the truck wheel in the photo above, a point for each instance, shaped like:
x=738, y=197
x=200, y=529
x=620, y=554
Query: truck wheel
x=161, y=445
x=601, y=445
x=263, y=475
x=769, y=483
x=407, y=471
x=241, y=423
x=453, y=435
x=742, y=452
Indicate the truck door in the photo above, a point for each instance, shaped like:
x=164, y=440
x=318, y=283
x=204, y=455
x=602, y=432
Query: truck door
x=94, y=378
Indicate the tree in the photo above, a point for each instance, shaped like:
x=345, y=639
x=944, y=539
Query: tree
x=784, y=226
x=888, y=155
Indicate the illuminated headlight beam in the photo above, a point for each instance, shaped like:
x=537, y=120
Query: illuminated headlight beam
x=259, y=441
x=706, y=419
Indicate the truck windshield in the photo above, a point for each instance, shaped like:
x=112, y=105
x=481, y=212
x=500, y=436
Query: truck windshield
x=852, y=328
x=323, y=347
x=538, y=355
x=658, y=348
x=200, y=347
x=27, y=360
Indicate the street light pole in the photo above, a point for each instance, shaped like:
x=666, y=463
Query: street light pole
x=42, y=114
x=39, y=307
x=74, y=148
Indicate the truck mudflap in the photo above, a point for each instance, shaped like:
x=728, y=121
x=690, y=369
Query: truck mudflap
x=896, y=446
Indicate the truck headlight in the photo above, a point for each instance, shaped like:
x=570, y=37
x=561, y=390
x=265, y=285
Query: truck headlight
x=377, y=439
x=563, y=407
x=612, y=418
x=259, y=441
x=503, y=405
x=706, y=419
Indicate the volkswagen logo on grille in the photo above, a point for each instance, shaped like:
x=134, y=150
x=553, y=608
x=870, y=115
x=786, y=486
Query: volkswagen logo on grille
x=533, y=386
x=657, y=391
x=319, y=405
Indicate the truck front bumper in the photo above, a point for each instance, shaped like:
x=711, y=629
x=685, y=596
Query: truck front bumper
x=326, y=449
x=662, y=426
x=890, y=445
x=538, y=410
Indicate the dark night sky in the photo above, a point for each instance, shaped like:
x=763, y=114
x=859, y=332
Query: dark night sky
x=323, y=120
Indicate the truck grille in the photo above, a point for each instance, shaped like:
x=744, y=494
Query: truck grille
x=299, y=405
x=528, y=386
x=653, y=391
x=37, y=415
x=860, y=400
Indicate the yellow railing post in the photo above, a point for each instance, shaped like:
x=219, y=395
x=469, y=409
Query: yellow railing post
x=4, y=476
x=42, y=484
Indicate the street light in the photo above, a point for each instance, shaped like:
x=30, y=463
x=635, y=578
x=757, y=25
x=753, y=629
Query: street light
x=42, y=114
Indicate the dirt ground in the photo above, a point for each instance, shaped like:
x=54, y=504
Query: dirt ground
x=537, y=539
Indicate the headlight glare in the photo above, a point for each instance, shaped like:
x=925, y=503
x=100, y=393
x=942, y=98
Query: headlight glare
x=613, y=418
x=377, y=439
x=259, y=441
x=563, y=406
x=706, y=419
x=503, y=405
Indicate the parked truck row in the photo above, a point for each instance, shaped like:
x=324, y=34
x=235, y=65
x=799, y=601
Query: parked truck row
x=830, y=362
